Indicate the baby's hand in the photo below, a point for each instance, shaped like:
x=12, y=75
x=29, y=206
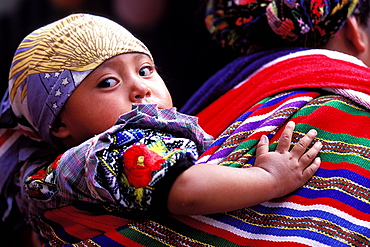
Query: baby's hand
x=289, y=170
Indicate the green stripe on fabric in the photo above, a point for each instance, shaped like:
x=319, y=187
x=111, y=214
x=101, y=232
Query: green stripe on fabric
x=348, y=107
x=338, y=102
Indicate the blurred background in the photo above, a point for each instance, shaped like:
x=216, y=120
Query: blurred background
x=174, y=32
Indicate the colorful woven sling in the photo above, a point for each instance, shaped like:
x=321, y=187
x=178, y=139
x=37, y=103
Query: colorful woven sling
x=331, y=209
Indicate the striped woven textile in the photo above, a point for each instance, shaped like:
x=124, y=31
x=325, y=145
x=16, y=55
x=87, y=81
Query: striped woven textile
x=331, y=209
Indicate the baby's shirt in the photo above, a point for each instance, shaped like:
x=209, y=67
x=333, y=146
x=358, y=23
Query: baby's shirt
x=128, y=168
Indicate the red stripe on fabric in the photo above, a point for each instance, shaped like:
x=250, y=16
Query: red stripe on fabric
x=264, y=243
x=210, y=151
x=334, y=120
x=346, y=166
x=82, y=224
x=5, y=136
x=122, y=239
x=288, y=74
x=256, y=106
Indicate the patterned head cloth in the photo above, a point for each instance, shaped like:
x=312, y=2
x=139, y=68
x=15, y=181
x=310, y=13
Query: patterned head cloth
x=248, y=24
x=53, y=60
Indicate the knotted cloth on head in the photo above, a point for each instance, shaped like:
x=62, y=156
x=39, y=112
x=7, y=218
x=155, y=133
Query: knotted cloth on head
x=53, y=60
x=245, y=25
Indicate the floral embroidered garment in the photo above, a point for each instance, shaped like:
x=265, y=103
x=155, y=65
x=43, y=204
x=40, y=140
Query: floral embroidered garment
x=124, y=174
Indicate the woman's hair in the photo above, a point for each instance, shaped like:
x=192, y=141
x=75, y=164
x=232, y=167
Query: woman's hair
x=246, y=26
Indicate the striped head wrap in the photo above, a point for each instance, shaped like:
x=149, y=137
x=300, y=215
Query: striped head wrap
x=53, y=60
x=245, y=25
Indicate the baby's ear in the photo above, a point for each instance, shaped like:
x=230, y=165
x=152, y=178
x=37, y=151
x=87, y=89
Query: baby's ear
x=356, y=34
x=59, y=129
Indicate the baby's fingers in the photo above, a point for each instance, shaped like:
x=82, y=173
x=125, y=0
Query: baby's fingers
x=311, y=169
x=303, y=143
x=310, y=155
x=285, y=138
x=262, y=146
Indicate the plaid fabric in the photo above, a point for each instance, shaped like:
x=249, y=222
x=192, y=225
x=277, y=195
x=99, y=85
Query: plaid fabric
x=331, y=209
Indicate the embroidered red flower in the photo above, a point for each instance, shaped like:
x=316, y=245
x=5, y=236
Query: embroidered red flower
x=139, y=163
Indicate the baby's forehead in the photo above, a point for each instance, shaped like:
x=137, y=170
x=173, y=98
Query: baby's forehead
x=127, y=57
x=122, y=61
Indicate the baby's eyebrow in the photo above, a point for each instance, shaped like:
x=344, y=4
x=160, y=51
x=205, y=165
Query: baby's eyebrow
x=139, y=55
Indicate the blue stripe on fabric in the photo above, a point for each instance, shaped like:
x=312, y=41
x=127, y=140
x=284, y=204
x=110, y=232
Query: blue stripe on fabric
x=105, y=241
x=276, y=232
x=317, y=213
x=336, y=195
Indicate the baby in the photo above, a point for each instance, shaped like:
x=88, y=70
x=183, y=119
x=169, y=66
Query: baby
x=87, y=87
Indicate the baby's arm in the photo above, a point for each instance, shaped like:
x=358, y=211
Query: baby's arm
x=207, y=188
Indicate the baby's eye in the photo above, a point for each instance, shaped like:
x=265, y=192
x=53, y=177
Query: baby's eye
x=146, y=71
x=107, y=83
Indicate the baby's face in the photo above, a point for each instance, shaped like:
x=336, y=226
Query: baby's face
x=108, y=92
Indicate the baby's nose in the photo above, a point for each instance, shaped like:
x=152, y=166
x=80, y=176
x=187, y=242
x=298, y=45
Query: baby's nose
x=140, y=92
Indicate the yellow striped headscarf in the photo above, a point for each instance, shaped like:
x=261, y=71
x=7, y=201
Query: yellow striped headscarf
x=53, y=60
